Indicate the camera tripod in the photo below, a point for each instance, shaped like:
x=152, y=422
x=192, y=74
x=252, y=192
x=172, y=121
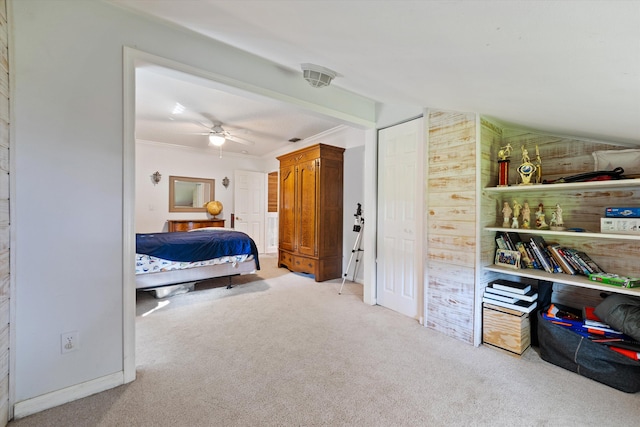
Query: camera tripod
x=358, y=227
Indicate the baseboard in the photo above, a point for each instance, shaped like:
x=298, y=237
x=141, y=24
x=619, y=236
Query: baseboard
x=65, y=395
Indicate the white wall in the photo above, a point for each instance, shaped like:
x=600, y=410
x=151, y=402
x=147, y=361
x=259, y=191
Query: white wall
x=67, y=144
x=152, y=201
x=353, y=194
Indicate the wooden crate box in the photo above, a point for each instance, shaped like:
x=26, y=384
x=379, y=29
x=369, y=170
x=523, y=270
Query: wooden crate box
x=505, y=329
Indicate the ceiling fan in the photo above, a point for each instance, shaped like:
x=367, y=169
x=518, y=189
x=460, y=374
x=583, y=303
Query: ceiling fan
x=218, y=135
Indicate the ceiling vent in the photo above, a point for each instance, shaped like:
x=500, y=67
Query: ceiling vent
x=317, y=76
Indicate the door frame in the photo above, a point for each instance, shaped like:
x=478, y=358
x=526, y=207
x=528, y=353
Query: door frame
x=131, y=59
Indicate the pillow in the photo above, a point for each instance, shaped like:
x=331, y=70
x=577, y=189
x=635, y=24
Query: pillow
x=212, y=228
x=629, y=160
x=622, y=313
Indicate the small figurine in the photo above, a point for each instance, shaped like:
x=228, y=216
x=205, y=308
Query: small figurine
x=540, y=219
x=516, y=214
x=506, y=214
x=526, y=215
x=504, y=152
x=557, y=223
x=559, y=215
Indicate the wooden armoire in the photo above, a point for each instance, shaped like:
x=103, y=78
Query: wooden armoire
x=311, y=194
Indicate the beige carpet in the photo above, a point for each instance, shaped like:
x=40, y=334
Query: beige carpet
x=283, y=350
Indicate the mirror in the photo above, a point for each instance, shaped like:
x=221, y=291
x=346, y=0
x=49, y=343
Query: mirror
x=190, y=194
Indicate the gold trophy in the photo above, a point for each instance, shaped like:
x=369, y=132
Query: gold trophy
x=538, y=167
x=526, y=168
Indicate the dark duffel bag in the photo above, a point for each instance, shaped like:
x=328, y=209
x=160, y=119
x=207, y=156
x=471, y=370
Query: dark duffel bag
x=572, y=351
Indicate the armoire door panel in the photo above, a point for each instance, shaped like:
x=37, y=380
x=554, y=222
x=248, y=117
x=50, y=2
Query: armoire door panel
x=286, y=231
x=308, y=203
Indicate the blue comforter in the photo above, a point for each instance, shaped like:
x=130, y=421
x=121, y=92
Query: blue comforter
x=196, y=245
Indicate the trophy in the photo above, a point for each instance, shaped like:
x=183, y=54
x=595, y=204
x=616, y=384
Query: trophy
x=538, y=167
x=526, y=168
x=503, y=161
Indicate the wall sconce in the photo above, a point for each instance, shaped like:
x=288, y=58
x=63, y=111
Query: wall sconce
x=155, y=177
x=225, y=182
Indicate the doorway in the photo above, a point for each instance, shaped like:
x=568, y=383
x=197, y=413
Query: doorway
x=132, y=59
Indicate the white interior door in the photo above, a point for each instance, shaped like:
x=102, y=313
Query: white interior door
x=399, y=247
x=249, y=205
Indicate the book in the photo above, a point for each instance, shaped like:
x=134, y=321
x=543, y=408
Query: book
x=538, y=244
x=498, y=297
x=532, y=256
x=564, y=264
x=525, y=261
x=582, y=267
x=507, y=285
x=500, y=243
x=554, y=264
x=523, y=306
x=532, y=295
x=567, y=256
x=591, y=265
x=503, y=240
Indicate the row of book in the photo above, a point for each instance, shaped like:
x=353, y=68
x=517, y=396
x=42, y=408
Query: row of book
x=589, y=325
x=553, y=258
x=513, y=295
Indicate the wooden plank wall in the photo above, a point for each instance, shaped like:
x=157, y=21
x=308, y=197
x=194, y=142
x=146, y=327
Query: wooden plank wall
x=451, y=223
x=4, y=216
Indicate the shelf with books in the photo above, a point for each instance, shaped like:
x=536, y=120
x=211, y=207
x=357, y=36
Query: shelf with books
x=566, y=279
x=569, y=186
x=589, y=235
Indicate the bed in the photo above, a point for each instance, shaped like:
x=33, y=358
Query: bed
x=165, y=259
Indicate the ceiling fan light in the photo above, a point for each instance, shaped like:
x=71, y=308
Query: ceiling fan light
x=216, y=140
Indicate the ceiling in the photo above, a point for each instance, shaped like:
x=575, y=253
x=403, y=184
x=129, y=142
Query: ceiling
x=257, y=126
x=562, y=67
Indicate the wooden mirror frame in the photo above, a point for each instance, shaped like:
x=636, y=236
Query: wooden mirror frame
x=173, y=207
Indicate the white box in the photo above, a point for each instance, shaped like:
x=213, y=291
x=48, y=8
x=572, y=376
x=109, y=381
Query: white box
x=620, y=225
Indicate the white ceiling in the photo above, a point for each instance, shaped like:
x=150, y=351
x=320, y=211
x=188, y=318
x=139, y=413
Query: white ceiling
x=564, y=67
x=263, y=125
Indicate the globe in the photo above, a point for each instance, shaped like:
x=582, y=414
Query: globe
x=213, y=207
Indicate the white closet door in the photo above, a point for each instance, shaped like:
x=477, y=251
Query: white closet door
x=250, y=205
x=399, y=247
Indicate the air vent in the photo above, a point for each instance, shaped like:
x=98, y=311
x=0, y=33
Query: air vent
x=294, y=139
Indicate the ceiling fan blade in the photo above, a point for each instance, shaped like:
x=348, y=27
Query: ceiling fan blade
x=199, y=123
x=239, y=140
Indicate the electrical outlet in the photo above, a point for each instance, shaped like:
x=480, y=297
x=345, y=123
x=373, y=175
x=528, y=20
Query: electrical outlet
x=69, y=342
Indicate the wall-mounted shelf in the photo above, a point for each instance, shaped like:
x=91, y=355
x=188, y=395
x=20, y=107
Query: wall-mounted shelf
x=590, y=185
x=567, y=233
x=566, y=279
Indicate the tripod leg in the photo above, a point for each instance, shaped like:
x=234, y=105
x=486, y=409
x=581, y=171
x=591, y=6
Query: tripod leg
x=356, y=247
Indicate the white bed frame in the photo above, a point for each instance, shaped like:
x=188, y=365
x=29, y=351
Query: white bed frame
x=175, y=277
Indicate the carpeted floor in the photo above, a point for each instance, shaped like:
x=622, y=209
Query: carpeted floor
x=283, y=350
